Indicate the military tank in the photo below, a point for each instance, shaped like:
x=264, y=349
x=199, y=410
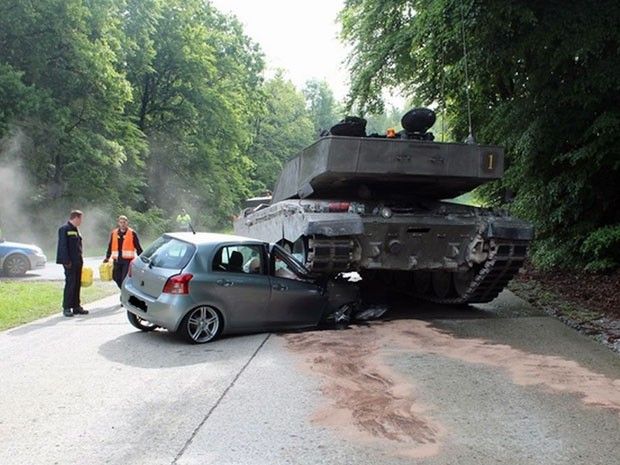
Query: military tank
x=375, y=204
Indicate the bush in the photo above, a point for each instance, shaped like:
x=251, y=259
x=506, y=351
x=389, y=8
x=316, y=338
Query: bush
x=549, y=253
x=601, y=249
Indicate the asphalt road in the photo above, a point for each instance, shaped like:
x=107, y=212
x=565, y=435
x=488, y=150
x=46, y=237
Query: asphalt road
x=428, y=384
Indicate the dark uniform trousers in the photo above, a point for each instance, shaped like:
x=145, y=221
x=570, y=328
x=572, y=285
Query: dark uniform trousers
x=120, y=270
x=73, y=284
x=70, y=253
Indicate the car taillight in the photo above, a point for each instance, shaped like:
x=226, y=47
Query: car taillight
x=178, y=284
x=338, y=206
x=129, y=270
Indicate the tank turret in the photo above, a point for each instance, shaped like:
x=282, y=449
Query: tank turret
x=387, y=168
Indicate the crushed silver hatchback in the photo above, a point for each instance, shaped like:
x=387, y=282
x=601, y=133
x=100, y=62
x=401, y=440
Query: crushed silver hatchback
x=204, y=285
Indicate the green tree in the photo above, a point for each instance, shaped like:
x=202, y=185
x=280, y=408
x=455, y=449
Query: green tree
x=196, y=79
x=542, y=82
x=65, y=57
x=281, y=130
x=321, y=104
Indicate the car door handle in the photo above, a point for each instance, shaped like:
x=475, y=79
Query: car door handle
x=279, y=287
x=224, y=282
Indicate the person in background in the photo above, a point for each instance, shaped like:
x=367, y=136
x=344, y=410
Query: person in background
x=123, y=247
x=69, y=255
x=184, y=220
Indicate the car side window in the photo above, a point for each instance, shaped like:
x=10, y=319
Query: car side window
x=286, y=265
x=246, y=259
x=284, y=268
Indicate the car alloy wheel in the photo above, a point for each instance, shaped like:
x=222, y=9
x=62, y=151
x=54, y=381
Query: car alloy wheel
x=140, y=323
x=16, y=265
x=202, y=324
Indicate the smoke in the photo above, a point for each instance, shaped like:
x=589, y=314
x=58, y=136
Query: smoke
x=97, y=223
x=170, y=191
x=15, y=190
x=24, y=217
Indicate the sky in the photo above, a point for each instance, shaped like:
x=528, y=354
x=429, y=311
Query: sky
x=299, y=36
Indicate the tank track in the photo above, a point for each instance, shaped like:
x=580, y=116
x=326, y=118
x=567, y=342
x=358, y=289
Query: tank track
x=504, y=261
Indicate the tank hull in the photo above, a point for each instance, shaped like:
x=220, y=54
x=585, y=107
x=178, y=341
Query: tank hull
x=426, y=237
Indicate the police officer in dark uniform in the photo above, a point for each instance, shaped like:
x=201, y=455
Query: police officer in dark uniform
x=69, y=255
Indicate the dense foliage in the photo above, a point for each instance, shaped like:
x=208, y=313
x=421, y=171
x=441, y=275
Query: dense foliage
x=281, y=130
x=139, y=107
x=543, y=82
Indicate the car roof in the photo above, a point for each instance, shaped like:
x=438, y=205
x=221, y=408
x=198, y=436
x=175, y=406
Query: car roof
x=202, y=238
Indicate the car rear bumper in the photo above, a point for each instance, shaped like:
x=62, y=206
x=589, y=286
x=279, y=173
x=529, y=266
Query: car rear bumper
x=166, y=311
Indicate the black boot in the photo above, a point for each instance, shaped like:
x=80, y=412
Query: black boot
x=67, y=312
x=80, y=311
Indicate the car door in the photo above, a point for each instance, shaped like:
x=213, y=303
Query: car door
x=296, y=300
x=241, y=289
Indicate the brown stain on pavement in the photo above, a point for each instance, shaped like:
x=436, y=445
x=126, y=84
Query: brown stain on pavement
x=553, y=373
x=373, y=403
x=369, y=400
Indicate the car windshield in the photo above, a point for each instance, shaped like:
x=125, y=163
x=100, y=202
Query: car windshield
x=167, y=252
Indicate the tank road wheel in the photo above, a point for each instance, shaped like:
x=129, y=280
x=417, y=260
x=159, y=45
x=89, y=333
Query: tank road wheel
x=386, y=277
x=422, y=282
x=372, y=288
x=402, y=280
x=442, y=284
x=462, y=280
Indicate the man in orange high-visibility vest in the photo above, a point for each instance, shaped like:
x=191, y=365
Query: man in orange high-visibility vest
x=123, y=247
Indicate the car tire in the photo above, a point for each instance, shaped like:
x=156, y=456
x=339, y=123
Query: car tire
x=16, y=265
x=201, y=325
x=140, y=323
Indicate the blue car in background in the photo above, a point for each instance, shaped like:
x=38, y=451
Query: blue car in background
x=17, y=258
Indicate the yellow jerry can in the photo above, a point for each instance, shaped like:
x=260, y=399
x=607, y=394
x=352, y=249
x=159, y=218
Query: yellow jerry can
x=105, y=271
x=87, y=276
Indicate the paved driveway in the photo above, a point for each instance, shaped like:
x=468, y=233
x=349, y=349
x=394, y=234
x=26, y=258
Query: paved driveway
x=433, y=385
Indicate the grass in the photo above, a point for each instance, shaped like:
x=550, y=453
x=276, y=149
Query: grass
x=22, y=302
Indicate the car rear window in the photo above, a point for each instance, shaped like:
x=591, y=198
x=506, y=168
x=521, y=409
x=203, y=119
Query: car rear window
x=167, y=252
